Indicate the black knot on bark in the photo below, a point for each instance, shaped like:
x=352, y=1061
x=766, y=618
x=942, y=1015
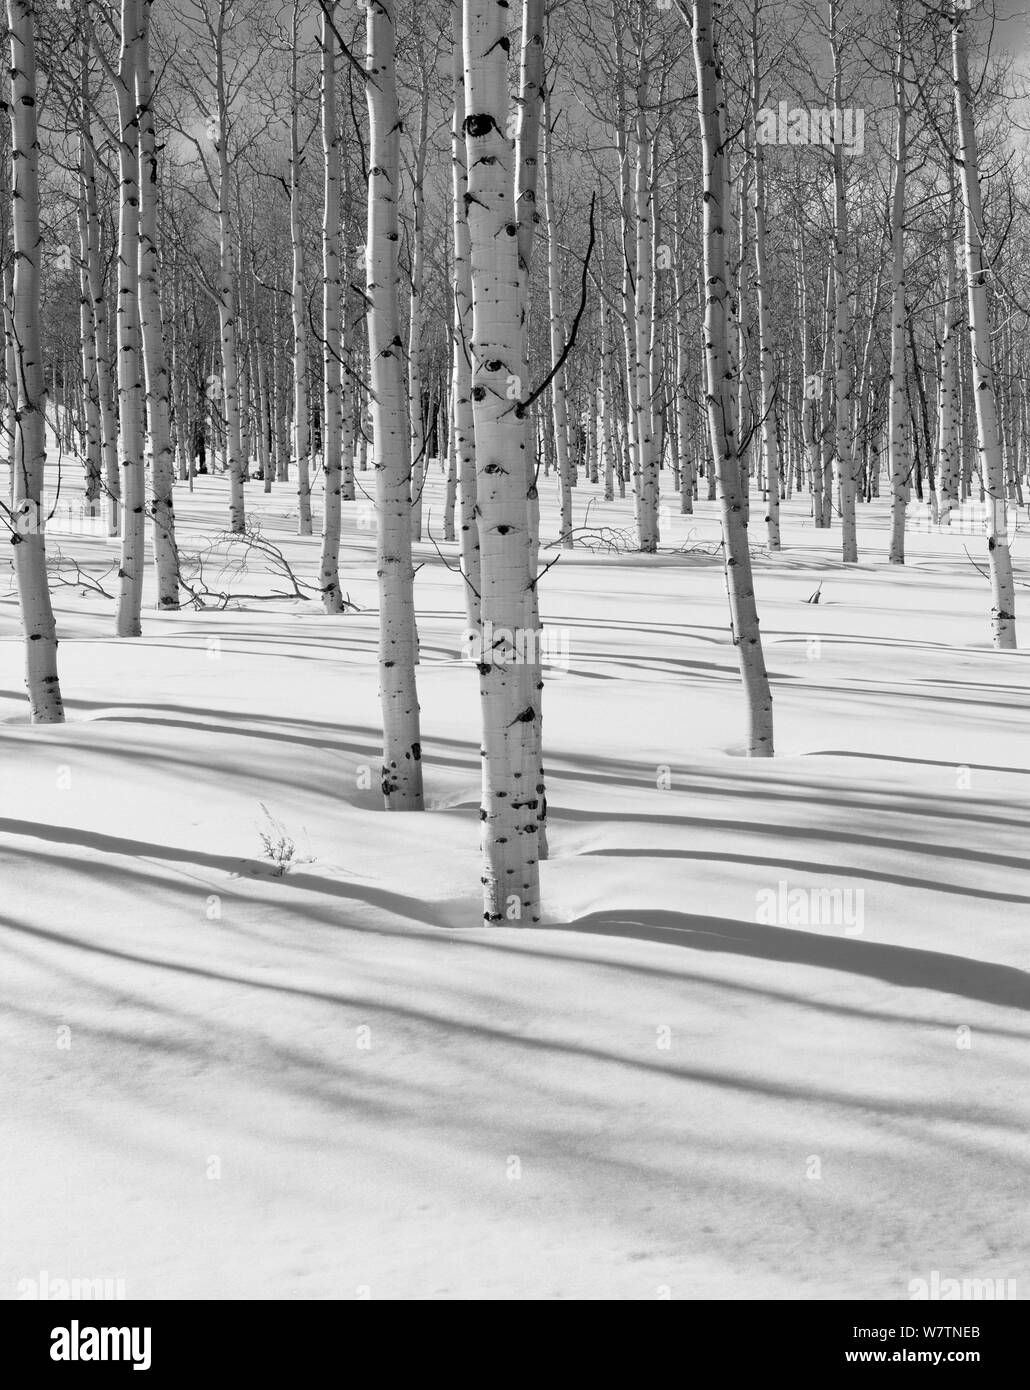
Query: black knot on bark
x=479, y=125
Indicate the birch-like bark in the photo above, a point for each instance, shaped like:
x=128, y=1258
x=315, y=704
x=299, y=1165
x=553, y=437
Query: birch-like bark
x=810, y=389
x=416, y=312
x=511, y=793
x=402, y=748
x=90, y=399
x=900, y=469
x=992, y=473
x=766, y=357
x=721, y=383
x=155, y=360
x=130, y=363
x=949, y=442
x=332, y=338
x=462, y=428
x=227, y=315
x=29, y=443
x=298, y=302
x=527, y=162
x=559, y=403
x=684, y=432
x=647, y=458
x=845, y=443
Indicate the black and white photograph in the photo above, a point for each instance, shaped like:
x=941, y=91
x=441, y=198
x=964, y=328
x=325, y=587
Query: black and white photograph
x=515, y=660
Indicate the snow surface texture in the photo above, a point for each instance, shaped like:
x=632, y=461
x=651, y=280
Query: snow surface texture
x=701, y=1078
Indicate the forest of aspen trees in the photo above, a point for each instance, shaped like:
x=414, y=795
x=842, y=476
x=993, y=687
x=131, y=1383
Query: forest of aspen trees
x=514, y=731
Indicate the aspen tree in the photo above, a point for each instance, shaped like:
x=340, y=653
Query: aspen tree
x=162, y=467
x=844, y=447
x=130, y=364
x=766, y=358
x=90, y=398
x=900, y=469
x=332, y=340
x=461, y=390
x=559, y=403
x=721, y=379
x=511, y=793
x=29, y=442
x=647, y=459
x=227, y=312
x=416, y=314
x=809, y=385
x=298, y=302
x=528, y=121
x=992, y=474
x=683, y=430
x=402, y=748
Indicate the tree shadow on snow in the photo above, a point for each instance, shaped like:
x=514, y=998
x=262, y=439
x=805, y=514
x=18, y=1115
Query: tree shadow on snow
x=905, y=966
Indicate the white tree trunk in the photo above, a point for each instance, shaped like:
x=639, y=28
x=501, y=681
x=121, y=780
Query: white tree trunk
x=900, y=469
x=130, y=362
x=763, y=287
x=462, y=429
x=511, y=793
x=402, y=749
x=559, y=404
x=162, y=467
x=419, y=461
x=992, y=473
x=332, y=338
x=29, y=444
x=949, y=440
x=227, y=317
x=301, y=423
x=845, y=443
x=721, y=385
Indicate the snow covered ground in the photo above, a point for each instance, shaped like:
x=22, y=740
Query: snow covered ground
x=702, y=1077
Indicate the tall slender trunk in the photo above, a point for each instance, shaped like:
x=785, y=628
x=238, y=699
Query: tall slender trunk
x=301, y=422
x=332, y=339
x=766, y=357
x=90, y=397
x=845, y=443
x=559, y=403
x=511, y=793
x=900, y=469
x=461, y=389
x=29, y=444
x=721, y=374
x=992, y=474
x=130, y=366
x=647, y=459
x=227, y=314
x=162, y=466
x=419, y=442
x=949, y=452
x=402, y=748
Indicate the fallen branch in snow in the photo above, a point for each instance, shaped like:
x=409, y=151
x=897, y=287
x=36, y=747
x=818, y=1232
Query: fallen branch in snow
x=58, y=565
x=612, y=540
x=239, y=550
